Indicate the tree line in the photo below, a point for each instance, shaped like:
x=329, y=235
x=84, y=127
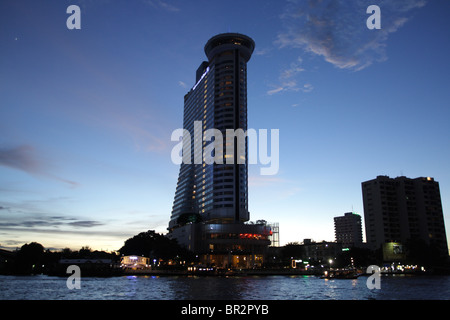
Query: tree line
x=33, y=258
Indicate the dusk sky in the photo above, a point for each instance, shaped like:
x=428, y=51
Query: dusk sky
x=86, y=116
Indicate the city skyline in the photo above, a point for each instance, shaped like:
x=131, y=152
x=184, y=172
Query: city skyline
x=87, y=115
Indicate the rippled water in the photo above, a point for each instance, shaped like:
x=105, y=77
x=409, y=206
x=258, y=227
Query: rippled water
x=221, y=288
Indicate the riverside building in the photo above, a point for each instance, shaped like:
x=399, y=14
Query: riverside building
x=400, y=210
x=210, y=208
x=348, y=230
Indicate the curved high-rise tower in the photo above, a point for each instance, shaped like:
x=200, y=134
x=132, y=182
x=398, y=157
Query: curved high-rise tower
x=216, y=192
x=214, y=196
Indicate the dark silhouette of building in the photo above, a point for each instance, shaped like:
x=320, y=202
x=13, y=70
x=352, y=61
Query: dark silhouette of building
x=348, y=229
x=211, y=199
x=403, y=210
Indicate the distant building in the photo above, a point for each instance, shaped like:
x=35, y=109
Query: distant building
x=348, y=230
x=134, y=262
x=320, y=252
x=398, y=210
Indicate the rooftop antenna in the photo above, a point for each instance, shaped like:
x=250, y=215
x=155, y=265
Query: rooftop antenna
x=229, y=29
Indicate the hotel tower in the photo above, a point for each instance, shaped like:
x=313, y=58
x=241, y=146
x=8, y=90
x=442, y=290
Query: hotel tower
x=211, y=199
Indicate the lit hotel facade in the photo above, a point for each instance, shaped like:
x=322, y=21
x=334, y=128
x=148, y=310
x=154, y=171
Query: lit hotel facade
x=211, y=200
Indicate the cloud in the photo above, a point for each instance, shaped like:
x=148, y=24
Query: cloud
x=21, y=157
x=48, y=222
x=307, y=87
x=164, y=5
x=20, y=217
x=262, y=52
x=85, y=223
x=36, y=216
x=146, y=134
x=25, y=158
x=288, y=79
x=263, y=181
x=336, y=29
x=182, y=84
x=276, y=90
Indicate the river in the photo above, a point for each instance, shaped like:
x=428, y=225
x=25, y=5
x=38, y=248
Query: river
x=393, y=287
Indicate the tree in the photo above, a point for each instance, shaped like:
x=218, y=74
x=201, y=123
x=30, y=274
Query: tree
x=155, y=246
x=292, y=250
x=85, y=252
x=29, y=258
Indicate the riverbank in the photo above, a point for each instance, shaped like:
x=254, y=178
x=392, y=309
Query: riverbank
x=266, y=272
x=238, y=272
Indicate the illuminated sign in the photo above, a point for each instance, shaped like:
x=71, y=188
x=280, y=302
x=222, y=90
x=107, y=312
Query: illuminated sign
x=250, y=236
x=201, y=78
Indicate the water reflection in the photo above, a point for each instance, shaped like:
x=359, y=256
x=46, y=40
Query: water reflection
x=222, y=288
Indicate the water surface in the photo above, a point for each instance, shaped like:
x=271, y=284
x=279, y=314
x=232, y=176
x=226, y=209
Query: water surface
x=397, y=287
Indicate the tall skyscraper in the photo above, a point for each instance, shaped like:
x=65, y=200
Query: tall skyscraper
x=348, y=229
x=211, y=199
x=404, y=209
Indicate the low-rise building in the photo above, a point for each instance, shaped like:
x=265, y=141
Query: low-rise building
x=135, y=262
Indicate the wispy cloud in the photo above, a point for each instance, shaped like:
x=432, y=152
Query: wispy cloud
x=262, y=181
x=288, y=80
x=26, y=158
x=43, y=221
x=24, y=221
x=262, y=52
x=25, y=218
x=336, y=29
x=21, y=157
x=33, y=215
x=146, y=127
x=164, y=5
x=146, y=133
x=275, y=90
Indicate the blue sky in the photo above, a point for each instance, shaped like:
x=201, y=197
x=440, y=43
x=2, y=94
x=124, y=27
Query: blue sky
x=86, y=115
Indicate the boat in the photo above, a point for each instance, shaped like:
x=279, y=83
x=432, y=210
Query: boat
x=340, y=274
